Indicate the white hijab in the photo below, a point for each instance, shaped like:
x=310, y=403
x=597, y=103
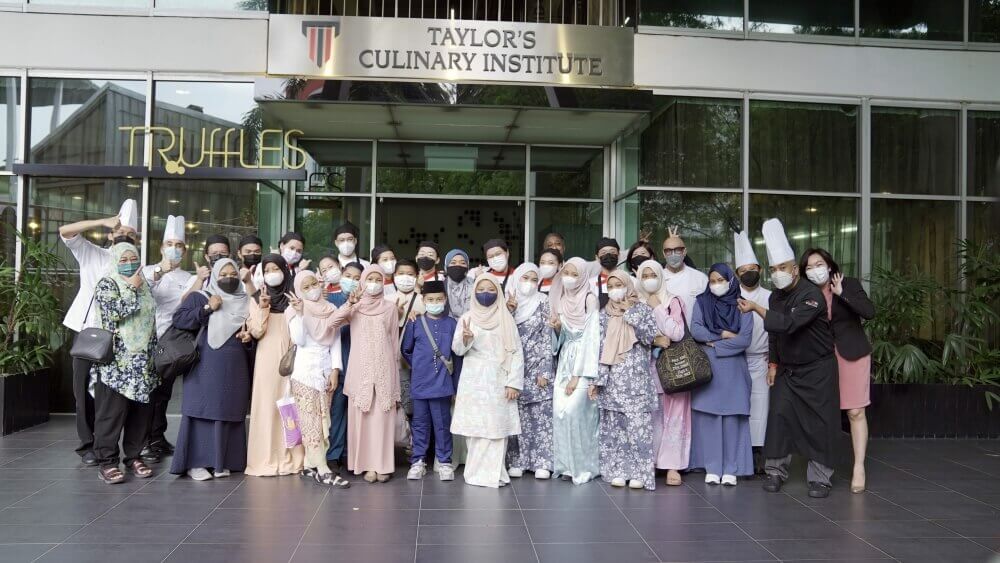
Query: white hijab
x=526, y=304
x=661, y=291
x=224, y=323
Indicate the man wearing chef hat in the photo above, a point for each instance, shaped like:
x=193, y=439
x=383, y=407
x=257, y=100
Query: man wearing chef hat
x=93, y=262
x=804, y=410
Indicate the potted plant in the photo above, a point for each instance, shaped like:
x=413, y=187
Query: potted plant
x=30, y=328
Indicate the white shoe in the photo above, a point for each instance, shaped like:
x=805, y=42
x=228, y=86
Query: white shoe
x=515, y=472
x=618, y=482
x=417, y=471
x=437, y=466
x=199, y=474
x=446, y=472
x=635, y=484
x=222, y=474
x=711, y=479
x=542, y=474
x=729, y=480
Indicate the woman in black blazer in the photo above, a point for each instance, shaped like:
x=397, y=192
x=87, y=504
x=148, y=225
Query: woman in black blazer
x=847, y=305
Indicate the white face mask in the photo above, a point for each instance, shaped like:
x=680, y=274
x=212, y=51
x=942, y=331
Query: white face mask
x=346, y=248
x=291, y=256
x=781, y=279
x=373, y=288
x=570, y=281
x=616, y=294
x=389, y=266
x=434, y=308
x=314, y=294
x=652, y=285
x=405, y=283
x=527, y=288
x=332, y=276
x=719, y=289
x=546, y=271
x=498, y=263
x=274, y=279
x=818, y=275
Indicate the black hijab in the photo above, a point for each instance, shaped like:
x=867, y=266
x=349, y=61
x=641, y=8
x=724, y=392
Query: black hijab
x=279, y=302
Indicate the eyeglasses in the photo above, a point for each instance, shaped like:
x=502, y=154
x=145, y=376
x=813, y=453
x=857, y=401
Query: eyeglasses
x=679, y=250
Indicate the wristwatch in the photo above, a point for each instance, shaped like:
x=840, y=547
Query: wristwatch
x=207, y=307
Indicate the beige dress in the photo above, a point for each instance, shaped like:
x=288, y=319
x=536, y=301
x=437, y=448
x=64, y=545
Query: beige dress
x=266, y=452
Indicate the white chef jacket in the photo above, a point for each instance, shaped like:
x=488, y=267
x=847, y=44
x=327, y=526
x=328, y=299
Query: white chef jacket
x=94, y=262
x=758, y=342
x=167, y=293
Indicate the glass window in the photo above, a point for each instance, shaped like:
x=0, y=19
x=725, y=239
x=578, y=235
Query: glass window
x=724, y=15
x=628, y=164
x=317, y=217
x=580, y=224
x=706, y=220
x=984, y=153
x=8, y=218
x=914, y=151
x=201, y=5
x=818, y=17
x=796, y=146
x=935, y=20
x=567, y=172
x=984, y=20
x=459, y=169
x=10, y=105
x=830, y=223
x=693, y=142
x=340, y=166
x=983, y=218
x=627, y=215
x=108, y=3
x=77, y=121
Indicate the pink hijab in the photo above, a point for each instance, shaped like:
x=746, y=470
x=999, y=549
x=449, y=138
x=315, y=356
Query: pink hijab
x=572, y=303
x=620, y=336
x=373, y=305
x=318, y=310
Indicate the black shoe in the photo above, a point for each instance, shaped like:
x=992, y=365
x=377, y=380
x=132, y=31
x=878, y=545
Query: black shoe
x=89, y=459
x=162, y=447
x=149, y=455
x=772, y=484
x=335, y=467
x=819, y=490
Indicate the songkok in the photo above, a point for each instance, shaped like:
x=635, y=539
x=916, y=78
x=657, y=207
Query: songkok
x=433, y=286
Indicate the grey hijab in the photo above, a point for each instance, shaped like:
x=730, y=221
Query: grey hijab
x=230, y=317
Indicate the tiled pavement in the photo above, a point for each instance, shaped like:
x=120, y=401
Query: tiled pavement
x=928, y=501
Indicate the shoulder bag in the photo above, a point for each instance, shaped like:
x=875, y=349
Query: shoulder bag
x=287, y=364
x=93, y=344
x=683, y=366
x=448, y=363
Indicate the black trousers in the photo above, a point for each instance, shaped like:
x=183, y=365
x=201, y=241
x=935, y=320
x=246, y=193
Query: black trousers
x=159, y=399
x=115, y=414
x=84, y=405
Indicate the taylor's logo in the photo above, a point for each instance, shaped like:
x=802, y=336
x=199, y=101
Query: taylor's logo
x=320, y=36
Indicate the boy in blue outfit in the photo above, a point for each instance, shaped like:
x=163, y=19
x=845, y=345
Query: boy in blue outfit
x=431, y=384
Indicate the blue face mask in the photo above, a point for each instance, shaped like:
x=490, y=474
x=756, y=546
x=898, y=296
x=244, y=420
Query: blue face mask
x=347, y=285
x=129, y=269
x=173, y=254
x=486, y=299
x=434, y=308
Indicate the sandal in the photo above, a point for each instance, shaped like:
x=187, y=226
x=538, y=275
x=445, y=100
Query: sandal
x=340, y=483
x=111, y=475
x=674, y=479
x=140, y=469
x=307, y=473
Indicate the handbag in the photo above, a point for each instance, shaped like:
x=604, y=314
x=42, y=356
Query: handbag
x=93, y=344
x=448, y=364
x=176, y=351
x=402, y=433
x=683, y=366
x=287, y=364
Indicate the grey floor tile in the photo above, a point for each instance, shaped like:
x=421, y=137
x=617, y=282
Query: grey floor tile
x=472, y=517
x=179, y=513
x=863, y=507
x=381, y=535
x=24, y=553
x=945, y=506
x=725, y=531
x=359, y=553
x=568, y=533
x=668, y=514
x=631, y=499
x=978, y=528
x=69, y=514
x=364, y=518
x=36, y=533
x=594, y=552
x=896, y=529
x=103, y=532
x=583, y=518
x=794, y=530
x=565, y=502
x=822, y=549
x=106, y=553
x=471, y=535
x=485, y=501
x=934, y=549
x=231, y=553
x=521, y=553
x=255, y=517
x=710, y=550
x=247, y=535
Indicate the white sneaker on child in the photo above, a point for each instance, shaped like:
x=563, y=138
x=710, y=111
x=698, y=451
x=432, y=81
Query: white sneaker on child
x=515, y=472
x=729, y=480
x=417, y=471
x=711, y=479
x=543, y=474
x=446, y=472
x=635, y=484
x=618, y=482
x=199, y=474
x=222, y=473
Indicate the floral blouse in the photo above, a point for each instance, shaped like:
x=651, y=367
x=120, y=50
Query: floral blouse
x=536, y=341
x=627, y=386
x=130, y=374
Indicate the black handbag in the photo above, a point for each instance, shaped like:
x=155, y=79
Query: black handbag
x=176, y=352
x=95, y=345
x=683, y=366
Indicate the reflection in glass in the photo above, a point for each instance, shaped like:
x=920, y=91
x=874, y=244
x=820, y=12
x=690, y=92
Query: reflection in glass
x=580, y=224
x=984, y=20
x=317, y=217
x=90, y=3
x=725, y=15
x=984, y=153
x=810, y=222
x=935, y=20
x=10, y=106
x=706, y=220
x=458, y=169
x=983, y=218
x=8, y=218
x=818, y=17
x=797, y=146
x=914, y=151
x=627, y=218
x=242, y=5
x=76, y=121
x=338, y=166
x=692, y=142
x=567, y=172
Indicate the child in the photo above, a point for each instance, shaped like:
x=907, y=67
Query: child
x=385, y=259
x=458, y=284
x=428, y=259
x=329, y=275
x=350, y=278
x=431, y=381
x=550, y=261
x=408, y=305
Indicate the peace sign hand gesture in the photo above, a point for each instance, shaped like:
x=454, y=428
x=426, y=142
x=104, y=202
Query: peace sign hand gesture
x=467, y=334
x=295, y=302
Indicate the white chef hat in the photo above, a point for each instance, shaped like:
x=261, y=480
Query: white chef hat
x=778, y=249
x=743, y=251
x=129, y=214
x=175, y=228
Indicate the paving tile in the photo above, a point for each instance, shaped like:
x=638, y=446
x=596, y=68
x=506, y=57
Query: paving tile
x=36, y=533
x=794, y=530
x=69, y=514
x=667, y=515
x=473, y=553
x=471, y=535
x=842, y=548
x=473, y=517
x=594, y=552
x=945, y=506
x=869, y=530
x=24, y=553
x=365, y=518
x=567, y=533
x=492, y=502
x=231, y=553
x=106, y=553
x=381, y=535
x=934, y=549
x=584, y=518
x=710, y=550
x=103, y=532
x=726, y=531
x=978, y=528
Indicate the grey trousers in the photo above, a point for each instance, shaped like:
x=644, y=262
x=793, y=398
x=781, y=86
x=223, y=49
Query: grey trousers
x=815, y=472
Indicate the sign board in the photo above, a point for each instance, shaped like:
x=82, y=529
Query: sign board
x=219, y=147
x=449, y=50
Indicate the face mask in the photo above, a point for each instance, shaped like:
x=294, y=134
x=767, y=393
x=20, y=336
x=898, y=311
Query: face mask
x=425, y=264
x=128, y=270
x=274, y=279
x=123, y=238
x=373, y=288
x=719, y=289
x=251, y=260
x=637, y=261
x=405, y=283
x=434, y=308
x=498, y=263
x=485, y=298
x=781, y=279
x=348, y=285
x=291, y=256
x=608, y=261
x=570, y=282
x=229, y=285
x=675, y=260
x=332, y=276
x=173, y=254
x=346, y=248
x=547, y=271
x=616, y=294
x=651, y=285
x=213, y=258
x=457, y=273
x=388, y=267
x=314, y=294
x=818, y=275
x=750, y=278
x=527, y=288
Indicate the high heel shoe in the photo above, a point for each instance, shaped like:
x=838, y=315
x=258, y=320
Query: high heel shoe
x=858, y=485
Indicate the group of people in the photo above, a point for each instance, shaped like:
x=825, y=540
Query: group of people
x=547, y=368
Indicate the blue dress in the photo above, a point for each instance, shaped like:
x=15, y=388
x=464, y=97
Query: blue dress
x=576, y=417
x=338, y=404
x=532, y=449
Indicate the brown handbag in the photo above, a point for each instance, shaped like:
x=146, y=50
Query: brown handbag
x=684, y=365
x=287, y=364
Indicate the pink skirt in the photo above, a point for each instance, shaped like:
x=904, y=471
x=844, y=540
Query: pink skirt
x=671, y=428
x=855, y=382
x=370, y=439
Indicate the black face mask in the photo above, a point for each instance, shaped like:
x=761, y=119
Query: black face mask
x=213, y=258
x=609, y=261
x=250, y=260
x=229, y=285
x=425, y=264
x=750, y=278
x=457, y=273
x=637, y=261
x=123, y=238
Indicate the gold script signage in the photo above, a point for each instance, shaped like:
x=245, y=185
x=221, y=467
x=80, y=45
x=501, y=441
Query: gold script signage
x=270, y=141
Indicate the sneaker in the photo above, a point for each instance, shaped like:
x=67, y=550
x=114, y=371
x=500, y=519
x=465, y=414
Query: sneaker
x=446, y=472
x=417, y=471
x=635, y=484
x=543, y=474
x=199, y=474
x=618, y=482
x=711, y=479
x=515, y=472
x=773, y=484
x=222, y=474
x=729, y=480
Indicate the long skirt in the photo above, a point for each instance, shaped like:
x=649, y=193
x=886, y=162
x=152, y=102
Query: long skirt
x=721, y=443
x=484, y=466
x=532, y=449
x=672, y=431
x=267, y=455
x=574, y=433
x=759, y=397
x=627, y=447
x=314, y=423
x=210, y=444
x=370, y=439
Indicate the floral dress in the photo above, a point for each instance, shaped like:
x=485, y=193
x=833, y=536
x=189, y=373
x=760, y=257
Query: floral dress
x=131, y=374
x=532, y=449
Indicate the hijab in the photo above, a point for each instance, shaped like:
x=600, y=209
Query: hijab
x=526, y=306
x=459, y=293
x=496, y=317
x=373, y=305
x=279, y=302
x=321, y=309
x=229, y=318
x=135, y=330
x=661, y=292
x=620, y=336
x=721, y=313
x=571, y=303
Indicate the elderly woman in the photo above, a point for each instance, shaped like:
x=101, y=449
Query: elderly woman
x=122, y=387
